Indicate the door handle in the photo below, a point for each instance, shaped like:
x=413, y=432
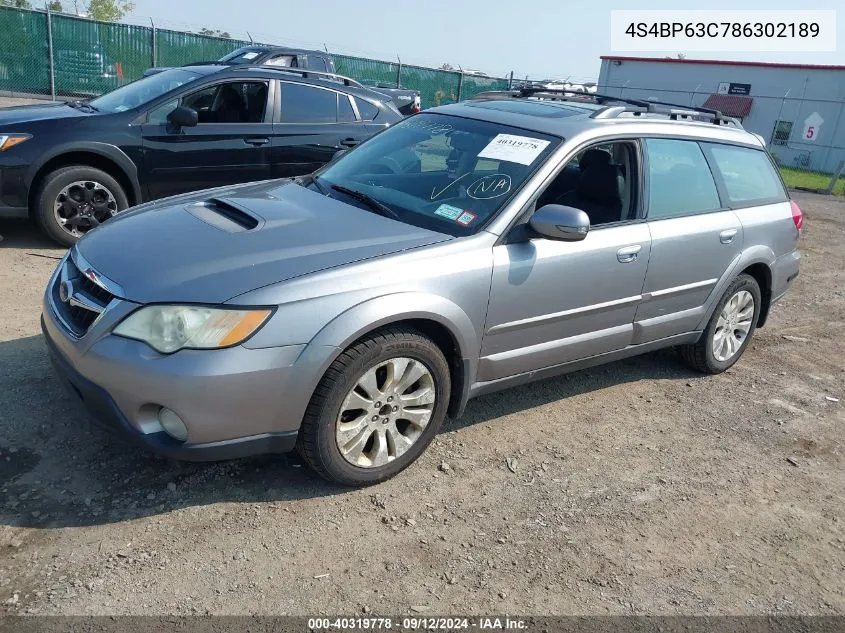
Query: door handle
x=727, y=236
x=350, y=142
x=628, y=254
x=257, y=141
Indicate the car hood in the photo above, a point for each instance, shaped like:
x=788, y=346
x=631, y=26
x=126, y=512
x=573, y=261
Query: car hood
x=38, y=112
x=215, y=245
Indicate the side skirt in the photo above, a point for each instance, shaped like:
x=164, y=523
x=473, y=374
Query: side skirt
x=482, y=388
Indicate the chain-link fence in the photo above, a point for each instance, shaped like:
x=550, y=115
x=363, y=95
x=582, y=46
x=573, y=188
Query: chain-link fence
x=66, y=56
x=805, y=134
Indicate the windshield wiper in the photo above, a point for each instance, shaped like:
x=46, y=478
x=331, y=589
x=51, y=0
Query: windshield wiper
x=80, y=105
x=375, y=205
x=310, y=180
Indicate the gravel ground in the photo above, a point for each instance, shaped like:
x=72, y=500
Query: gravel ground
x=638, y=487
x=6, y=102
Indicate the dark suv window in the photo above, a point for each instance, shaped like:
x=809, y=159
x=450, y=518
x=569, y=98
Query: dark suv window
x=368, y=110
x=748, y=174
x=307, y=104
x=317, y=63
x=231, y=102
x=345, y=113
x=679, y=179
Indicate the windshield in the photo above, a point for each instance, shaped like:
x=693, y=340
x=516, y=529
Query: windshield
x=245, y=54
x=444, y=173
x=142, y=91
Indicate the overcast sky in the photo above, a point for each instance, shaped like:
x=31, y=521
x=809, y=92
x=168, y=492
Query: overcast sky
x=541, y=38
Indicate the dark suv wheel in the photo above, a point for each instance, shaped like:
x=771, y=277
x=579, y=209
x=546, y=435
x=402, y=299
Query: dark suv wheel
x=73, y=200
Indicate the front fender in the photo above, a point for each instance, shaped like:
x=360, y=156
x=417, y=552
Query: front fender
x=106, y=150
x=370, y=315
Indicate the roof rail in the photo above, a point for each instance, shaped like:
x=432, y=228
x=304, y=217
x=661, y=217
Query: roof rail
x=636, y=106
x=305, y=73
x=533, y=91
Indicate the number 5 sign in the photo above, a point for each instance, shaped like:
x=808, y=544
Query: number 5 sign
x=811, y=126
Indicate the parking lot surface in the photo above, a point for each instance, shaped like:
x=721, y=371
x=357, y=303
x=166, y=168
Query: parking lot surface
x=638, y=487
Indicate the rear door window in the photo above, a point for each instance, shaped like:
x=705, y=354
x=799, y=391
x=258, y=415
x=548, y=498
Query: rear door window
x=307, y=104
x=679, y=179
x=748, y=174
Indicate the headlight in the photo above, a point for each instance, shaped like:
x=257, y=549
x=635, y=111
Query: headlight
x=171, y=328
x=10, y=140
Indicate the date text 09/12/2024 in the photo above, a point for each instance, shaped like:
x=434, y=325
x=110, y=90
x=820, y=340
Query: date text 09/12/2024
x=417, y=624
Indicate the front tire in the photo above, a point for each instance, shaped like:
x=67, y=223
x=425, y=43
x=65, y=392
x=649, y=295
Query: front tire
x=73, y=200
x=377, y=408
x=729, y=330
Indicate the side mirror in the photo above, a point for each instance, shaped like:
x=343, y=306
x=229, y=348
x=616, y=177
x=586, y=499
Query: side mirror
x=557, y=222
x=338, y=154
x=182, y=116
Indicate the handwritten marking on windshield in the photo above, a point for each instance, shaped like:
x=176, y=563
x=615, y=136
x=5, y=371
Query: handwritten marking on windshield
x=436, y=194
x=491, y=186
x=432, y=127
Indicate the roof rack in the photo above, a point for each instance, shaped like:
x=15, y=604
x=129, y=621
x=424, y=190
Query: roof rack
x=305, y=73
x=636, y=106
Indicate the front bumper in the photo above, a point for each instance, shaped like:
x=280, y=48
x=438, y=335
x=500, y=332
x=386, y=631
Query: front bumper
x=107, y=414
x=235, y=401
x=13, y=191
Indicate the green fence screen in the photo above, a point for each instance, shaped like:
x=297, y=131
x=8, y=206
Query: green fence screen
x=90, y=58
x=24, y=55
x=175, y=48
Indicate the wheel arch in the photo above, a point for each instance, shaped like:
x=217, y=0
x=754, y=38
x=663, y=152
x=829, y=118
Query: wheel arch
x=762, y=274
x=107, y=158
x=756, y=262
x=441, y=320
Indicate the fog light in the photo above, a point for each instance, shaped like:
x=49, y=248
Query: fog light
x=172, y=424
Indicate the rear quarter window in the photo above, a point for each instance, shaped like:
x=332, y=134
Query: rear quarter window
x=748, y=174
x=367, y=110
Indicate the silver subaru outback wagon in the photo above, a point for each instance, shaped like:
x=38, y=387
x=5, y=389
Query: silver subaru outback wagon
x=469, y=248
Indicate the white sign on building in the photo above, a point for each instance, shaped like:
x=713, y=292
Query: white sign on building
x=811, y=127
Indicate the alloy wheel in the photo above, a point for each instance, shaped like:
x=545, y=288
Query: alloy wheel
x=83, y=205
x=385, y=413
x=733, y=325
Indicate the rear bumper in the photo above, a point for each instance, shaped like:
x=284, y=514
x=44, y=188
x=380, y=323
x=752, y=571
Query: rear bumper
x=784, y=272
x=109, y=415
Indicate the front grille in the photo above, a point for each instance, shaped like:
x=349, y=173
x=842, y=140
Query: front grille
x=99, y=293
x=85, y=303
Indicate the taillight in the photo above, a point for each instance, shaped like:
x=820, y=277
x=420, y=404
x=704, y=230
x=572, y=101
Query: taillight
x=415, y=108
x=797, y=215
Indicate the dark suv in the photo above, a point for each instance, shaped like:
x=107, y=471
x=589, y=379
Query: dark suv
x=406, y=101
x=71, y=166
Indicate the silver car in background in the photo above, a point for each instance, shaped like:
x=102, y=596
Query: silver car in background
x=469, y=248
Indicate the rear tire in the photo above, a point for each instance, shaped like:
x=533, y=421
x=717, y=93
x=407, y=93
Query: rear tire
x=90, y=197
x=729, y=330
x=377, y=408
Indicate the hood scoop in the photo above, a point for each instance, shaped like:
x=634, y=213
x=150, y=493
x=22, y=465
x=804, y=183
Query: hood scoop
x=224, y=214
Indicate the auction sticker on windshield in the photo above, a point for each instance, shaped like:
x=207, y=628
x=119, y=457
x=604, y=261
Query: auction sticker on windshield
x=514, y=149
x=448, y=211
